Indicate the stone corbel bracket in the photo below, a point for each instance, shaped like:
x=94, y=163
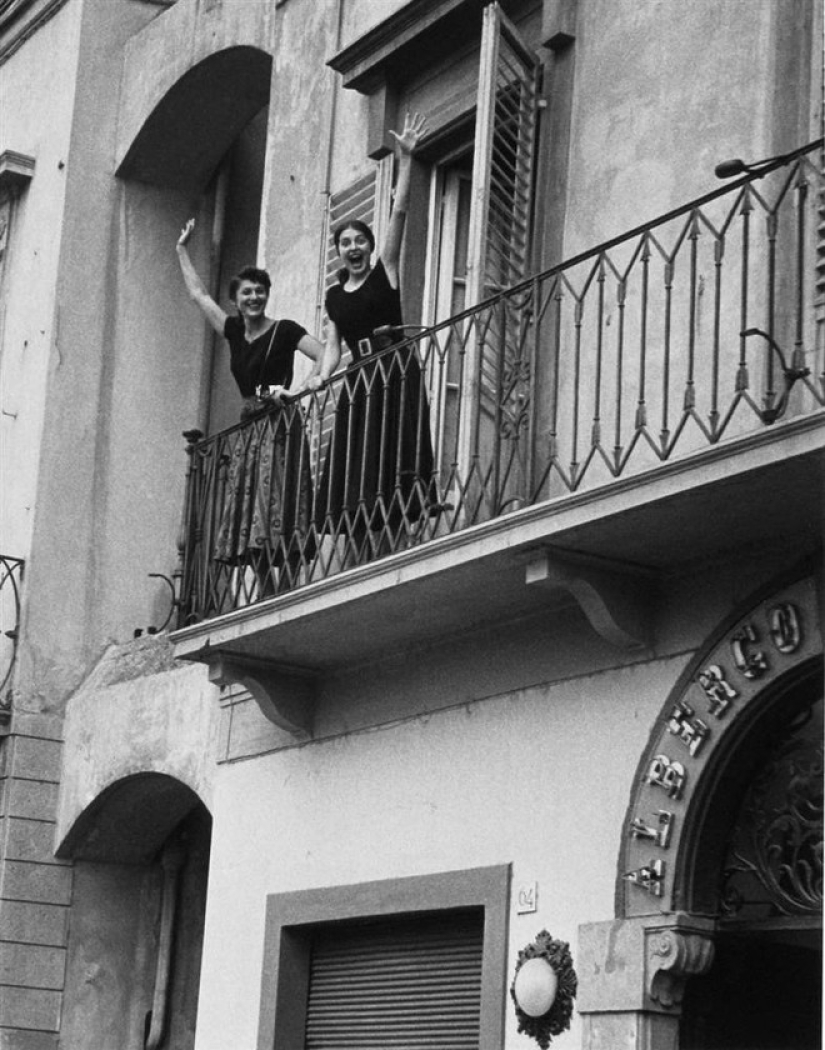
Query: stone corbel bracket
x=615, y=597
x=285, y=695
x=672, y=955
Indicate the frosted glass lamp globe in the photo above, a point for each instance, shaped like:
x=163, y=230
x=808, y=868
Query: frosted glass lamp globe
x=535, y=987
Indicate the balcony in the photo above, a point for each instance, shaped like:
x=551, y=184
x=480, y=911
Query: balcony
x=653, y=401
x=11, y=582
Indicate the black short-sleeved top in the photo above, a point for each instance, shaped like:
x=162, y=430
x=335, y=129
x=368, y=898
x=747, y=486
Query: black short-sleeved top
x=358, y=313
x=246, y=360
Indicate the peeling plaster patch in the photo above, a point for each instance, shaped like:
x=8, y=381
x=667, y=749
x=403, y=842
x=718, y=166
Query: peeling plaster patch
x=138, y=659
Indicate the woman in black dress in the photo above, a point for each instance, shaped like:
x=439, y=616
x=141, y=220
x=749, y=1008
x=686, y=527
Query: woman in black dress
x=377, y=482
x=263, y=517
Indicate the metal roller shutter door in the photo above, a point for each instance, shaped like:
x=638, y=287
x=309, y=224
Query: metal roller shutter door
x=407, y=983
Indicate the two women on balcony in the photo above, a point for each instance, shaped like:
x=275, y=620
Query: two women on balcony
x=264, y=516
x=377, y=487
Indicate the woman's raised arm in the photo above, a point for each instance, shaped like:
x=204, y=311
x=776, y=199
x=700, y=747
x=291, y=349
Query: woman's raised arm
x=194, y=285
x=414, y=128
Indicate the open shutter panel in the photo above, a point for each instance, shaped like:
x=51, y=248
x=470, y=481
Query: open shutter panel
x=499, y=369
x=407, y=984
x=506, y=121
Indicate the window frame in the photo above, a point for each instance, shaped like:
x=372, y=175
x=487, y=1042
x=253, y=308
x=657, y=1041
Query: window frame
x=291, y=919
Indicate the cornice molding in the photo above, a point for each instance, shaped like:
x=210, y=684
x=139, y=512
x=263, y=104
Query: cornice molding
x=14, y=12
x=362, y=64
x=16, y=169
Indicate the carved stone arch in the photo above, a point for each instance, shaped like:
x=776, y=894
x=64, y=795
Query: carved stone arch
x=755, y=673
x=727, y=692
x=719, y=797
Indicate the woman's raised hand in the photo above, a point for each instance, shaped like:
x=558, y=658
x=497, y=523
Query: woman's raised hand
x=414, y=128
x=186, y=233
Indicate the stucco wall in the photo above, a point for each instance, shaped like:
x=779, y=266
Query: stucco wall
x=118, y=396
x=663, y=92
x=139, y=711
x=537, y=778
x=37, y=90
x=518, y=746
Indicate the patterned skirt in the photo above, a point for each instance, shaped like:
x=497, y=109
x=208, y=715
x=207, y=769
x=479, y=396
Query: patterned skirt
x=266, y=499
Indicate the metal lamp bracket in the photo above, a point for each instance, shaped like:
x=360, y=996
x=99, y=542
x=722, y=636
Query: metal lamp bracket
x=614, y=598
x=285, y=695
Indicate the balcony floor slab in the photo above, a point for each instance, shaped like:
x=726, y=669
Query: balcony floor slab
x=765, y=489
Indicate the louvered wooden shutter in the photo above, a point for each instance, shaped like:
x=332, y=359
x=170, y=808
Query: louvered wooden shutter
x=506, y=119
x=499, y=379
x=403, y=984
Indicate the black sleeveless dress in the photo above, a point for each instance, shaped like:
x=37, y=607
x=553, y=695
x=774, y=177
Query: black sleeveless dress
x=378, y=469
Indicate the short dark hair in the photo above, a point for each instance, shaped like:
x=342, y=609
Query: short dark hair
x=249, y=273
x=354, y=224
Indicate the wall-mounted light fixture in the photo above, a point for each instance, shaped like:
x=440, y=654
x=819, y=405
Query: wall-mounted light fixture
x=543, y=989
x=792, y=371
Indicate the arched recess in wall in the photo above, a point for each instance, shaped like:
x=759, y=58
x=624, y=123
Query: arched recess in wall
x=202, y=150
x=721, y=855
x=184, y=138
x=140, y=855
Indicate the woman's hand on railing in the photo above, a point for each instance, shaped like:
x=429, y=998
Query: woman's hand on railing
x=313, y=383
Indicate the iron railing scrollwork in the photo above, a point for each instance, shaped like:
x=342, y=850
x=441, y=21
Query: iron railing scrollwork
x=694, y=328
x=774, y=862
x=11, y=581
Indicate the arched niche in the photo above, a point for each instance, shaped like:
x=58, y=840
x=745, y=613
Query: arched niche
x=182, y=140
x=200, y=151
x=129, y=820
x=757, y=676
x=140, y=855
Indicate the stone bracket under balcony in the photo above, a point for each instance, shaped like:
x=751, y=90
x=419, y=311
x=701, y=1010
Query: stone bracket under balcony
x=615, y=597
x=285, y=695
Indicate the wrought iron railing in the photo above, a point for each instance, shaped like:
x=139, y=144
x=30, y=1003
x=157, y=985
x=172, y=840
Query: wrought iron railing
x=698, y=327
x=11, y=580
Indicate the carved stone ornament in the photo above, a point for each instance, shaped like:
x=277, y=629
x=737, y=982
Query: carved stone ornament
x=557, y=1018
x=672, y=957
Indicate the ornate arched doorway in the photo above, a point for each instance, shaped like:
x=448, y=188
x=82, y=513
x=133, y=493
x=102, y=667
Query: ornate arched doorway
x=761, y=873
x=719, y=883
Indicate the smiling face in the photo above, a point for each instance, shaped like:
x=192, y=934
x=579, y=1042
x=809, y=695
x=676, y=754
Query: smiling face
x=355, y=251
x=251, y=299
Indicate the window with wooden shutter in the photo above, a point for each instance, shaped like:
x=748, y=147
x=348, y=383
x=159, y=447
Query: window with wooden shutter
x=402, y=984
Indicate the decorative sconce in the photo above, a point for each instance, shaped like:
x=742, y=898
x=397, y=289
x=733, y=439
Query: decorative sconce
x=543, y=988
x=790, y=373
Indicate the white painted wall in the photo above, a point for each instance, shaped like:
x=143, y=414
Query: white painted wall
x=538, y=778
x=37, y=89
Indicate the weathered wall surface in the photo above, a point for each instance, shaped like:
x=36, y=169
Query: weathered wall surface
x=117, y=398
x=40, y=78
x=139, y=711
x=660, y=99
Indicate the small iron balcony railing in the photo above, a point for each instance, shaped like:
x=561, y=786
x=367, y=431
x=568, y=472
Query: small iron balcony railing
x=11, y=581
x=699, y=326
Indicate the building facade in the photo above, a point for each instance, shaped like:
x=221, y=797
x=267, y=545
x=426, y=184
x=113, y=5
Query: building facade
x=566, y=703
